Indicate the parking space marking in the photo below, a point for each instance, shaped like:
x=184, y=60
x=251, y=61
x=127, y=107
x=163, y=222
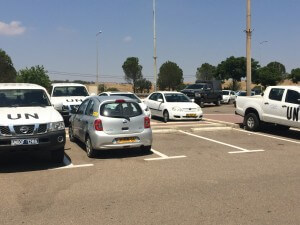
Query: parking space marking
x=242, y=150
x=163, y=156
x=265, y=135
x=69, y=165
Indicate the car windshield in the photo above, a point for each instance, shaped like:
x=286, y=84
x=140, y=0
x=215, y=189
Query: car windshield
x=23, y=98
x=225, y=92
x=195, y=86
x=132, y=96
x=176, y=98
x=121, y=110
x=69, y=91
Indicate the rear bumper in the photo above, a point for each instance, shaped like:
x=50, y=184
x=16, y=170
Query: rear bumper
x=47, y=142
x=103, y=141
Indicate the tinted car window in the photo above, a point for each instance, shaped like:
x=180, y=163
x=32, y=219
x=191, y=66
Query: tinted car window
x=292, y=97
x=90, y=108
x=120, y=110
x=69, y=91
x=276, y=94
x=160, y=96
x=195, y=86
x=23, y=98
x=82, y=107
x=176, y=98
x=225, y=92
x=153, y=97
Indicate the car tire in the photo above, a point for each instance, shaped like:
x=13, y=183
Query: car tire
x=218, y=102
x=166, y=116
x=90, y=152
x=71, y=134
x=147, y=149
x=57, y=156
x=251, y=122
x=201, y=103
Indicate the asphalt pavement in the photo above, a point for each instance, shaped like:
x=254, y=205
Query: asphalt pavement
x=199, y=172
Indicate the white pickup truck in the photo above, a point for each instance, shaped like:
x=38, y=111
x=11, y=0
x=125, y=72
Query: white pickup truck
x=278, y=105
x=67, y=96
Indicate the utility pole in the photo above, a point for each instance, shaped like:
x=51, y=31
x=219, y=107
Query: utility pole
x=97, y=58
x=154, y=43
x=248, y=50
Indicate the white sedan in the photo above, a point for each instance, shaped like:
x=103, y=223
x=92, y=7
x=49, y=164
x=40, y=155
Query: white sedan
x=173, y=106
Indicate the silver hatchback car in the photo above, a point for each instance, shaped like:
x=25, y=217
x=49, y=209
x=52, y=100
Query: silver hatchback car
x=110, y=123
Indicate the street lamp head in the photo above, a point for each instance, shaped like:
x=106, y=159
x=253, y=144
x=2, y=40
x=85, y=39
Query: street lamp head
x=99, y=33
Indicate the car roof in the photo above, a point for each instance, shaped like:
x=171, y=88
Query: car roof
x=117, y=92
x=20, y=86
x=67, y=84
x=168, y=92
x=110, y=98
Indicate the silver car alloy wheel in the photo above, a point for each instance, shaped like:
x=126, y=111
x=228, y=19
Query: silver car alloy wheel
x=250, y=122
x=88, y=146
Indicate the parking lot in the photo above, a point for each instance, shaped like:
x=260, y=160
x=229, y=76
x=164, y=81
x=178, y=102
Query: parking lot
x=199, y=172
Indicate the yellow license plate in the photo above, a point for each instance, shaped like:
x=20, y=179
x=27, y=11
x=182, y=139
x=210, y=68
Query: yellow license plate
x=191, y=115
x=126, y=140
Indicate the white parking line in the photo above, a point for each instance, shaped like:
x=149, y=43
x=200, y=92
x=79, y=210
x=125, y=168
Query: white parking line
x=265, y=135
x=69, y=165
x=242, y=150
x=163, y=156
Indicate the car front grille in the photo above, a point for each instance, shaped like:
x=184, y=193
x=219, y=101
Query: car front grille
x=190, y=110
x=24, y=129
x=42, y=128
x=4, y=130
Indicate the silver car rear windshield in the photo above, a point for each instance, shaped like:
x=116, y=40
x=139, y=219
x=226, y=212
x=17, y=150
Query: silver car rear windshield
x=120, y=110
x=132, y=96
x=23, y=98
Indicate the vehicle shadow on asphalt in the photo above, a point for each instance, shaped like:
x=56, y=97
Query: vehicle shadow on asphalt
x=116, y=153
x=17, y=162
x=272, y=130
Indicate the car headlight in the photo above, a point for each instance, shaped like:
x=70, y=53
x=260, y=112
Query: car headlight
x=176, y=108
x=57, y=126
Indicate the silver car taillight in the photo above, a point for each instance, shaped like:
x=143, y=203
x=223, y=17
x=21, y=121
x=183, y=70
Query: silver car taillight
x=147, y=122
x=98, y=125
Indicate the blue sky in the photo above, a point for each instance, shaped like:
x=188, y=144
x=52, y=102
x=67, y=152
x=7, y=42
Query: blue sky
x=61, y=34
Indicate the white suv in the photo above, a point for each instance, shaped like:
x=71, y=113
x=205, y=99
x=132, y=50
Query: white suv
x=67, y=96
x=28, y=121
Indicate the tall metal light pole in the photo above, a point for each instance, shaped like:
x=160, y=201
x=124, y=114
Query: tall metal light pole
x=97, y=69
x=154, y=43
x=248, y=50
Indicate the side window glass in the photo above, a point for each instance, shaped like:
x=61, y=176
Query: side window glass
x=276, y=94
x=83, y=107
x=90, y=108
x=103, y=94
x=153, y=97
x=159, y=96
x=292, y=97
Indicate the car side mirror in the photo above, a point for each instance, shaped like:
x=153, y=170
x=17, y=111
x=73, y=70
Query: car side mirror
x=160, y=100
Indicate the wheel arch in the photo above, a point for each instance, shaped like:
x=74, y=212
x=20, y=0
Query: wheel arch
x=252, y=110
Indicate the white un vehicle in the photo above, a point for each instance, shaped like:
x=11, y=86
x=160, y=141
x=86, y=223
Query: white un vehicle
x=28, y=121
x=278, y=105
x=67, y=96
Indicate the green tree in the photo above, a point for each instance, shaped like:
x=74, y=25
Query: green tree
x=133, y=71
x=7, y=71
x=279, y=68
x=101, y=88
x=235, y=68
x=295, y=75
x=35, y=75
x=206, y=72
x=170, y=76
x=143, y=84
x=268, y=76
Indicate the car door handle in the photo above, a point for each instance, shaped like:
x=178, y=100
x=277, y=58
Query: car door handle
x=266, y=103
x=284, y=106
